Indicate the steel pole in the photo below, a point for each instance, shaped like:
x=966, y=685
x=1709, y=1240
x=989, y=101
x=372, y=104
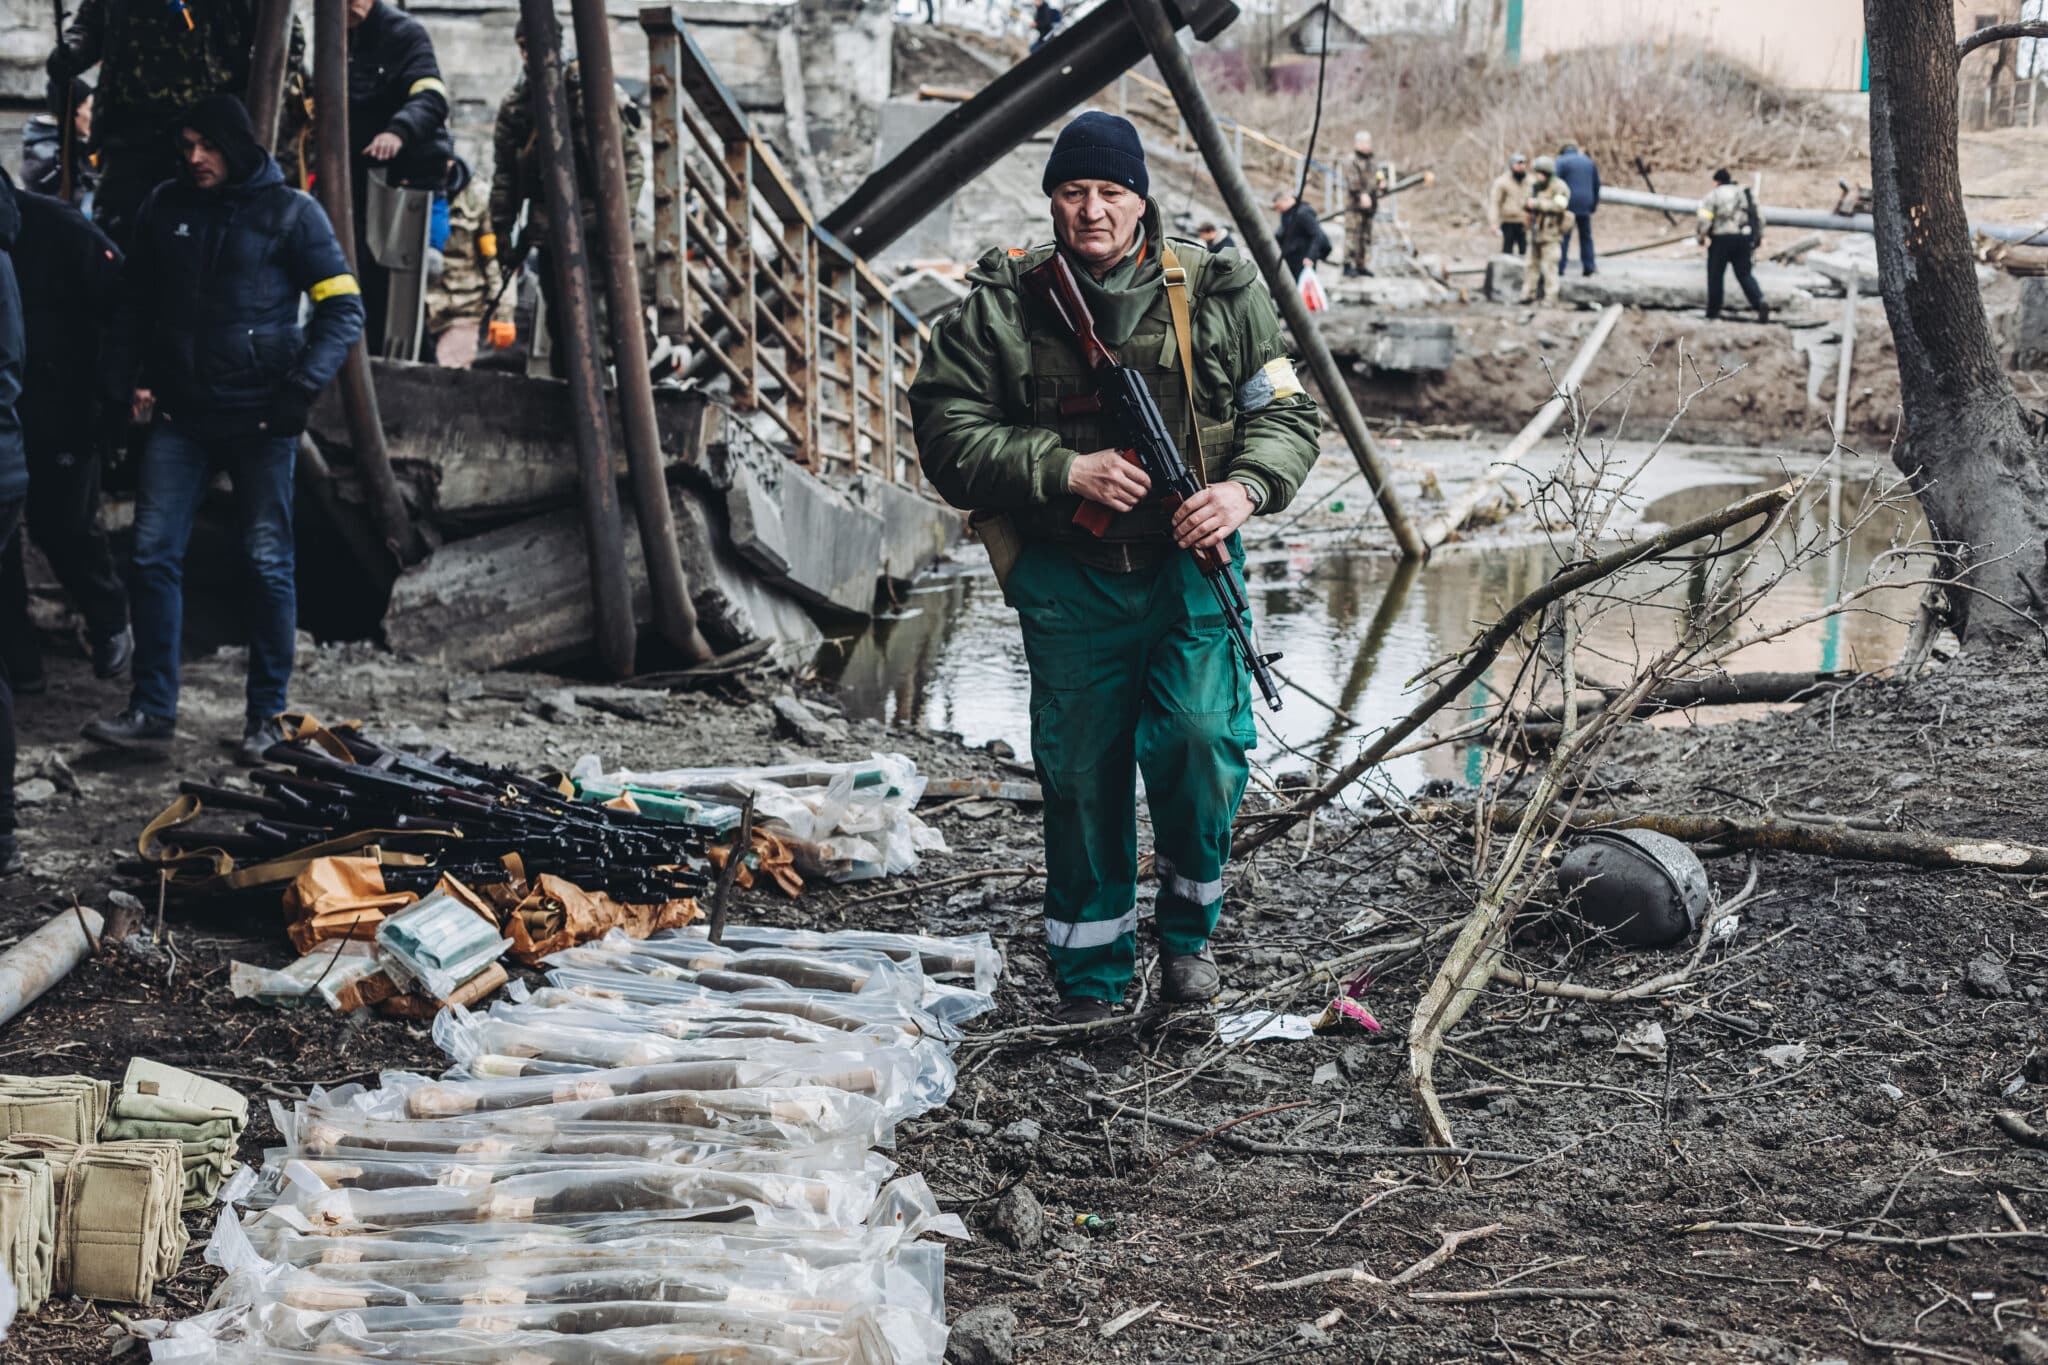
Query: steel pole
x=1179, y=74
x=266, y=68
x=358, y=395
x=675, y=616
x=590, y=422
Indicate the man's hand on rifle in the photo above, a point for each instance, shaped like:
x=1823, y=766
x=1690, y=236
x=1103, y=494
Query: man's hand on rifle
x=1209, y=517
x=1105, y=476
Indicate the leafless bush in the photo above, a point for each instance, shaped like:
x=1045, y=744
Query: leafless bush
x=1429, y=103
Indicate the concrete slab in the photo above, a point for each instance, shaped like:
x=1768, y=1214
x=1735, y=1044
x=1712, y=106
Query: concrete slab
x=1674, y=284
x=802, y=535
x=915, y=529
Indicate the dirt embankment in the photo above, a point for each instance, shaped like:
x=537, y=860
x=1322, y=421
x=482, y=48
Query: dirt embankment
x=1772, y=385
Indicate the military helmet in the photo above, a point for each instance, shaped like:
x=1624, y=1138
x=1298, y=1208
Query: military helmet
x=1545, y=164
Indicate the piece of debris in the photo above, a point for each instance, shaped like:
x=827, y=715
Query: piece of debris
x=1985, y=977
x=34, y=792
x=983, y=1336
x=1257, y=1026
x=1786, y=1055
x=799, y=722
x=1645, y=1040
x=1018, y=1220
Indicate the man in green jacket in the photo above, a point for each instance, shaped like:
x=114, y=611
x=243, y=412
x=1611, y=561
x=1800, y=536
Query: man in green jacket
x=1131, y=670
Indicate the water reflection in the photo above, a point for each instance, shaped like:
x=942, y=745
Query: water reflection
x=1356, y=628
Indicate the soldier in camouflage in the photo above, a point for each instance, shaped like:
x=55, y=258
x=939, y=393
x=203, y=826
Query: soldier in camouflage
x=1362, y=188
x=458, y=295
x=157, y=58
x=516, y=175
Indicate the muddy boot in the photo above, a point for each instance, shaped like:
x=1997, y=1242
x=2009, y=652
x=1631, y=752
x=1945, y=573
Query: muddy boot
x=1763, y=312
x=258, y=735
x=1189, y=978
x=1083, y=1009
x=111, y=654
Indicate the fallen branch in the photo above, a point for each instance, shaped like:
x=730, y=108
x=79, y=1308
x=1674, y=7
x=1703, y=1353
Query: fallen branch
x=916, y=888
x=1519, y=1291
x=1231, y=1123
x=1255, y=1148
x=1350, y=1274
x=1787, y=1231
x=995, y=1271
x=1452, y=1241
x=1479, y=656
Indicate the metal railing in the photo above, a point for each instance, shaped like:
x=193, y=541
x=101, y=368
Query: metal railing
x=804, y=329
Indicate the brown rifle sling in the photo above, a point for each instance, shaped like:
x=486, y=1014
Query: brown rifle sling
x=1183, y=333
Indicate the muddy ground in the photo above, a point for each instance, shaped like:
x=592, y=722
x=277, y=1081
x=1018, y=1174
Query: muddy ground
x=1881, y=1128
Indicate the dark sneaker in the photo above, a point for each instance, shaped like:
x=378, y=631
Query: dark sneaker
x=112, y=654
x=133, y=729
x=1189, y=978
x=257, y=737
x=11, y=861
x=1084, y=1009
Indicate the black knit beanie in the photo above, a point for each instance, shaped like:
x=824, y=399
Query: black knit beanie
x=222, y=120
x=1098, y=146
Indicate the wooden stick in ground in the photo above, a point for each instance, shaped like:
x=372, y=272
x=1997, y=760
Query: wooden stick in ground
x=1446, y=523
x=1452, y=1241
x=1479, y=656
x=742, y=842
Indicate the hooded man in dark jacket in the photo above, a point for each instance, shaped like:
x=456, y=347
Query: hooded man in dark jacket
x=69, y=275
x=13, y=490
x=1301, y=235
x=398, y=119
x=210, y=309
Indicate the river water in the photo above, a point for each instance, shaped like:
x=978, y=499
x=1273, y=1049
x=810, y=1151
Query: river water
x=1356, y=630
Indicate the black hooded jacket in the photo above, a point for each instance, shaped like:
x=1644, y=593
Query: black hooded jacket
x=211, y=290
x=395, y=86
x=69, y=273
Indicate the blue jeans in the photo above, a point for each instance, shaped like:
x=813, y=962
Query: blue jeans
x=176, y=468
x=1583, y=222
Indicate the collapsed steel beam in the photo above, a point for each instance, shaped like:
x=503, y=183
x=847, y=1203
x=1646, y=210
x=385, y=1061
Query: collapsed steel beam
x=1076, y=63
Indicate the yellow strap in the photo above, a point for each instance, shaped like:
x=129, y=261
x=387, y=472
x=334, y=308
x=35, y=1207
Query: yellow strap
x=1177, y=304
x=434, y=83
x=333, y=285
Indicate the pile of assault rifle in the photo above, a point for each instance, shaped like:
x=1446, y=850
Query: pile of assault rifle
x=462, y=817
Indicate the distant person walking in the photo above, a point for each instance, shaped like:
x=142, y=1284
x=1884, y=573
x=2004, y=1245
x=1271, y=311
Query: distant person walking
x=1217, y=239
x=1547, y=209
x=1577, y=170
x=1731, y=227
x=1045, y=19
x=1302, y=238
x=1508, y=196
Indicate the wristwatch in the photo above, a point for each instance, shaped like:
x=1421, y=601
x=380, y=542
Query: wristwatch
x=1258, y=495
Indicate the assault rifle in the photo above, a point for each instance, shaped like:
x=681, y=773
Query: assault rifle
x=1141, y=431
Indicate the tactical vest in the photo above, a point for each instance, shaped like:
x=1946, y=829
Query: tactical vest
x=1058, y=372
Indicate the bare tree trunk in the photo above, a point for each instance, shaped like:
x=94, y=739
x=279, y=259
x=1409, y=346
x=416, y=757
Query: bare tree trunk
x=1979, y=460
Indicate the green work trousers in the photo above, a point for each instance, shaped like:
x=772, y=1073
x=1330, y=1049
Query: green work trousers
x=1130, y=673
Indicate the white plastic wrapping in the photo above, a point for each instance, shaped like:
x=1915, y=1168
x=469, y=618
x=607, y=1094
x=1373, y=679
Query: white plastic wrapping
x=971, y=958
x=601, y=975
x=845, y=821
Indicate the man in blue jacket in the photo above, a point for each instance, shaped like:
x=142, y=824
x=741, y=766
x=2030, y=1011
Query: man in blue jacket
x=1582, y=177
x=13, y=491
x=209, y=320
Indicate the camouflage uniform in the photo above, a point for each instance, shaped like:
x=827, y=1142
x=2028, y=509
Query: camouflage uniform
x=463, y=289
x=157, y=58
x=516, y=172
x=516, y=165
x=1361, y=180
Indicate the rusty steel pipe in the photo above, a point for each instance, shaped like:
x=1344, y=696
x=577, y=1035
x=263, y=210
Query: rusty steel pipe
x=590, y=422
x=46, y=957
x=675, y=616
x=358, y=395
x=266, y=68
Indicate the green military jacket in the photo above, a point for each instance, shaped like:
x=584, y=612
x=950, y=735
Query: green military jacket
x=990, y=433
